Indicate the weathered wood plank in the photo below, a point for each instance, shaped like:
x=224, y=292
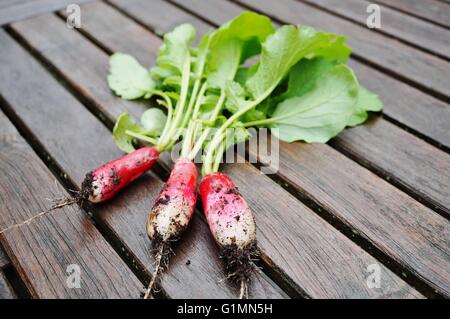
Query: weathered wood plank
x=428, y=37
x=4, y=260
x=423, y=69
x=433, y=10
x=162, y=15
x=45, y=248
x=78, y=142
x=277, y=253
x=18, y=10
x=373, y=202
x=402, y=228
x=6, y=291
x=375, y=144
x=405, y=104
x=419, y=166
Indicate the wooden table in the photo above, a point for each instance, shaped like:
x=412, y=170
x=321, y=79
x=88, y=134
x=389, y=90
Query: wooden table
x=376, y=198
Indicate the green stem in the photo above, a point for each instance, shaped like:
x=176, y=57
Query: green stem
x=169, y=115
x=166, y=142
x=202, y=138
x=217, y=138
x=219, y=157
x=191, y=130
x=142, y=137
x=261, y=122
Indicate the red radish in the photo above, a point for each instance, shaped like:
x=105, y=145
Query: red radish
x=172, y=211
x=105, y=181
x=232, y=225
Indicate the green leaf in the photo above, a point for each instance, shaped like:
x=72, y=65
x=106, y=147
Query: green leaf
x=233, y=43
x=175, y=50
x=153, y=121
x=127, y=78
x=322, y=112
x=367, y=101
x=123, y=141
x=283, y=49
x=304, y=75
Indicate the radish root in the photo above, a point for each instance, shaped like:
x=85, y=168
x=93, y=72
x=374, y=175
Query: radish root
x=244, y=290
x=161, y=262
x=58, y=204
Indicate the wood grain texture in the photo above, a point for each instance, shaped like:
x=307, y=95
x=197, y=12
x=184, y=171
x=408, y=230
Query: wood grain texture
x=43, y=249
x=418, y=166
x=402, y=228
x=381, y=145
x=78, y=142
x=18, y=10
x=424, y=69
x=428, y=37
x=405, y=104
x=6, y=291
x=434, y=10
x=4, y=260
x=162, y=14
x=327, y=241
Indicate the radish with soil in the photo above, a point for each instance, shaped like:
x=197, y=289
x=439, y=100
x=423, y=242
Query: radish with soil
x=299, y=87
x=232, y=225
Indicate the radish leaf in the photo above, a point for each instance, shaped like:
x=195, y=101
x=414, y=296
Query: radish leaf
x=127, y=78
x=124, y=141
x=321, y=113
x=153, y=121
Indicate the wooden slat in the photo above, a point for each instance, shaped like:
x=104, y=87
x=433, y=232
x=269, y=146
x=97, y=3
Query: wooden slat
x=423, y=69
x=4, y=260
x=403, y=247
x=78, y=142
x=314, y=256
x=408, y=106
x=18, y=10
x=432, y=10
x=428, y=37
x=418, y=166
x=43, y=249
x=6, y=291
x=402, y=228
x=163, y=20
x=403, y=103
x=366, y=143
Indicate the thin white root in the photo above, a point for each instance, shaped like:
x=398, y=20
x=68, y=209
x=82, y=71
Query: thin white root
x=159, y=256
x=58, y=204
x=244, y=290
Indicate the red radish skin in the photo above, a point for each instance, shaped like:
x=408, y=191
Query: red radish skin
x=171, y=213
x=104, y=182
x=232, y=225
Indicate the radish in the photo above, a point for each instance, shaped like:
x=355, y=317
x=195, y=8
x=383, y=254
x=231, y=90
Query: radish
x=171, y=213
x=104, y=182
x=232, y=225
